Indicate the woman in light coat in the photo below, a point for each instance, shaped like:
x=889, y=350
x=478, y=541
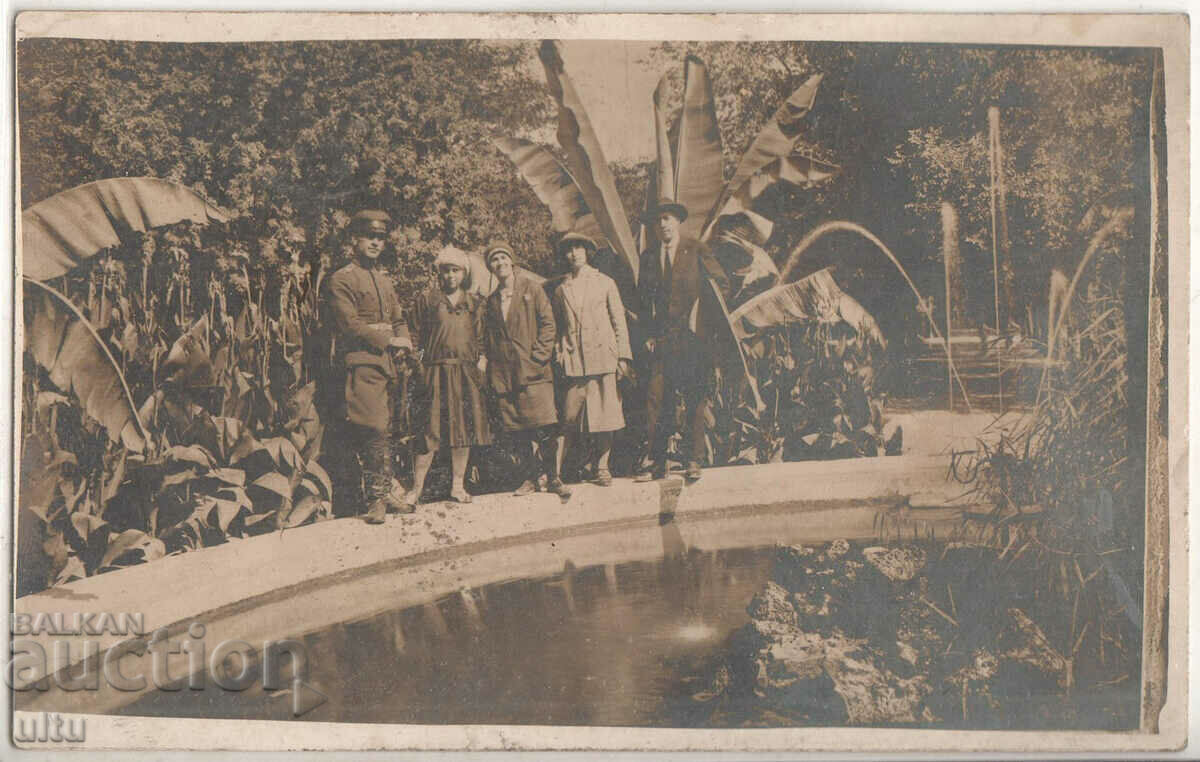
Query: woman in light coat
x=591, y=349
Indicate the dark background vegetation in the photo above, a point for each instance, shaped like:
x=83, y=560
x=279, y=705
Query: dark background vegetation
x=294, y=137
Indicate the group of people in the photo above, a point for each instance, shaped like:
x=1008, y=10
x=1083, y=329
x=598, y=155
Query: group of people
x=542, y=368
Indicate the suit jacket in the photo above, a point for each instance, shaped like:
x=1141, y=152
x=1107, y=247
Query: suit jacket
x=592, y=334
x=667, y=298
x=519, y=347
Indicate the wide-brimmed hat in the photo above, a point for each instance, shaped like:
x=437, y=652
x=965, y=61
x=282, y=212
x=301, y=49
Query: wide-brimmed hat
x=571, y=239
x=370, y=221
x=497, y=247
x=665, y=206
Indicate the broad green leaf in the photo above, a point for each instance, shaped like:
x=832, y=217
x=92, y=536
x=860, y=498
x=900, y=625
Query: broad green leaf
x=234, y=476
x=274, y=482
x=72, y=571
x=813, y=299
x=585, y=159
x=774, y=140
x=314, y=469
x=61, y=232
x=554, y=186
x=61, y=340
x=699, y=161
x=129, y=543
x=284, y=454
x=224, y=512
x=301, y=512
x=193, y=455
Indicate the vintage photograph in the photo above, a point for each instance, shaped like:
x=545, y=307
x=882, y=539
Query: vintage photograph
x=591, y=383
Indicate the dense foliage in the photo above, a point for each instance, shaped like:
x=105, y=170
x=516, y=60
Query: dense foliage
x=215, y=328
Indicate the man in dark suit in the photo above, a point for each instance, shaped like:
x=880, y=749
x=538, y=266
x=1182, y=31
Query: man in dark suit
x=672, y=273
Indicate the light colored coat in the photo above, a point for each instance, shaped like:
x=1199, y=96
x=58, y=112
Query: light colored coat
x=592, y=335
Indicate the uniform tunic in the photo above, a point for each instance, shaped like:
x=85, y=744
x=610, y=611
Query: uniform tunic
x=366, y=315
x=454, y=410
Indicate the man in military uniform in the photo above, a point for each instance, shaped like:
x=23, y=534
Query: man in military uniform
x=368, y=326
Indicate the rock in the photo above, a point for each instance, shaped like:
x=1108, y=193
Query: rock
x=772, y=604
x=897, y=564
x=837, y=549
x=797, y=666
x=873, y=693
x=906, y=652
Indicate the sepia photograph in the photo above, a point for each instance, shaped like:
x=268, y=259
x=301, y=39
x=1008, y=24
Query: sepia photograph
x=542, y=383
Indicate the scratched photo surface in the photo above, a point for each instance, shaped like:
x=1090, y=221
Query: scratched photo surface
x=657, y=384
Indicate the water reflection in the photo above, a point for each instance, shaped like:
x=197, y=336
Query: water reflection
x=599, y=645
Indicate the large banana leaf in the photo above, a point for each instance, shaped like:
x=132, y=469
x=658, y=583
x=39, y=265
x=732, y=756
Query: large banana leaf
x=750, y=267
x=699, y=170
x=553, y=185
x=61, y=340
x=773, y=141
x=59, y=233
x=815, y=298
x=585, y=159
x=797, y=169
x=665, y=164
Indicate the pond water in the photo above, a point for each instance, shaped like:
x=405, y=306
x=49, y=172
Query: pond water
x=618, y=644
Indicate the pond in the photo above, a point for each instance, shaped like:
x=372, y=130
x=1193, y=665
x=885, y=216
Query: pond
x=638, y=627
x=618, y=644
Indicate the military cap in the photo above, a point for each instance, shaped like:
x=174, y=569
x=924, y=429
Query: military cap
x=370, y=221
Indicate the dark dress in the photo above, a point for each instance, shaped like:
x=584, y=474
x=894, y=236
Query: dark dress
x=454, y=411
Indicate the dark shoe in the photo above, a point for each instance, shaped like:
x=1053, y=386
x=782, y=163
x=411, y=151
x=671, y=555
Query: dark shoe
x=377, y=513
x=557, y=487
x=527, y=488
x=603, y=478
x=693, y=472
x=395, y=505
x=654, y=474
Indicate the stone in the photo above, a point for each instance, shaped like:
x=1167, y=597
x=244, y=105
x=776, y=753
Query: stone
x=899, y=564
x=772, y=604
x=795, y=666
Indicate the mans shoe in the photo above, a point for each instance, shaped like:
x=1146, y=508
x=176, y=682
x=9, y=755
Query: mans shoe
x=603, y=478
x=693, y=472
x=656, y=473
x=395, y=505
x=377, y=513
x=460, y=496
x=527, y=488
x=557, y=487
